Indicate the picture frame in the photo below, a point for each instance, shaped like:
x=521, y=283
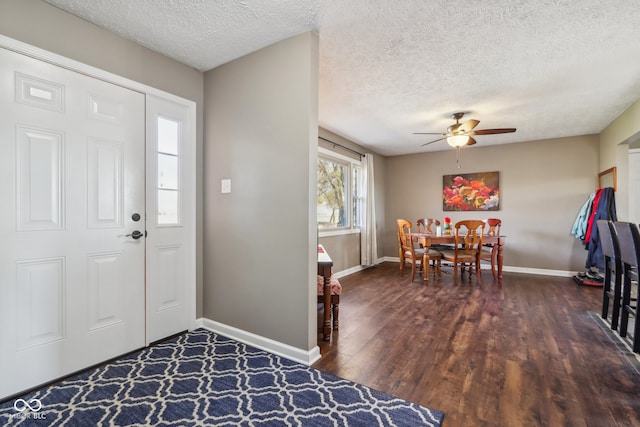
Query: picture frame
x=471, y=192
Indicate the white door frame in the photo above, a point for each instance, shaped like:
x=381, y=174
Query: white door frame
x=634, y=180
x=190, y=179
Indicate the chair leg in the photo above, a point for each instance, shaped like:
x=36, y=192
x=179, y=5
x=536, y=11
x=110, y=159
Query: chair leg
x=435, y=265
x=617, y=297
x=413, y=270
x=494, y=262
x=336, y=309
x=636, y=335
x=455, y=272
x=626, y=300
x=605, y=292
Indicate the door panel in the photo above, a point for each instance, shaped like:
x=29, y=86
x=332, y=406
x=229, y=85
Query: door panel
x=105, y=289
x=105, y=168
x=171, y=206
x=73, y=172
x=39, y=172
x=39, y=302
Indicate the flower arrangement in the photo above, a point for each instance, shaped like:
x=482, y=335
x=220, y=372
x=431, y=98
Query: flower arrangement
x=447, y=225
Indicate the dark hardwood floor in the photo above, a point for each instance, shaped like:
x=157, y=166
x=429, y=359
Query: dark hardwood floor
x=525, y=352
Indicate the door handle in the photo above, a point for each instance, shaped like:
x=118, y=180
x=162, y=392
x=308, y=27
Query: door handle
x=134, y=234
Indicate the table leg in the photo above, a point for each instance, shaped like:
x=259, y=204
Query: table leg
x=500, y=260
x=325, y=272
x=326, y=327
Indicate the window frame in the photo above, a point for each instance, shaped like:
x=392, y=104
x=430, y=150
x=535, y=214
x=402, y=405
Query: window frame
x=351, y=164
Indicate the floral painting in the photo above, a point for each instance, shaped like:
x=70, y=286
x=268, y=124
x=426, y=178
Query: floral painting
x=471, y=192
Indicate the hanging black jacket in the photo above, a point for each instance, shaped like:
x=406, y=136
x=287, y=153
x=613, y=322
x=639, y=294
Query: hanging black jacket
x=606, y=209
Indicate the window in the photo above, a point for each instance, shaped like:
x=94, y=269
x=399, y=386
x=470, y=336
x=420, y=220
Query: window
x=358, y=200
x=168, y=167
x=340, y=192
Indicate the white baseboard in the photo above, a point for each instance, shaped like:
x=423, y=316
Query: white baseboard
x=285, y=350
x=348, y=271
x=526, y=270
x=355, y=269
x=539, y=271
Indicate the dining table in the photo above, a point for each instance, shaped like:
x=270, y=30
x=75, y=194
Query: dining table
x=428, y=239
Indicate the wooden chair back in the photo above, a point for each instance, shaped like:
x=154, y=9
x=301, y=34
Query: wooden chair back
x=494, y=226
x=425, y=225
x=404, y=235
x=469, y=234
x=468, y=247
x=409, y=253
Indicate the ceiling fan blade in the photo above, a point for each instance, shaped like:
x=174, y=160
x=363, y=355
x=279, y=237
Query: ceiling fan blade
x=428, y=133
x=491, y=131
x=431, y=142
x=471, y=141
x=453, y=129
x=468, y=125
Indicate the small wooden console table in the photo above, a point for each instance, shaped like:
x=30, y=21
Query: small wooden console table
x=324, y=269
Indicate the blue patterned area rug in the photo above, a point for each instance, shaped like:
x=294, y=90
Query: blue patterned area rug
x=201, y=378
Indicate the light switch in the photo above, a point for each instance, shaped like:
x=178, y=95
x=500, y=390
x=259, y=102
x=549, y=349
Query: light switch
x=225, y=186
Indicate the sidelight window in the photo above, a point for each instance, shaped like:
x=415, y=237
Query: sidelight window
x=168, y=171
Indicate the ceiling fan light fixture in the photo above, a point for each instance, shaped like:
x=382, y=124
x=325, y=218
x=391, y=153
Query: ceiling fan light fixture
x=457, y=141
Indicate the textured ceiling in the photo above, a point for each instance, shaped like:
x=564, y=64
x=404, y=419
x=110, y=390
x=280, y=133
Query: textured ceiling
x=388, y=68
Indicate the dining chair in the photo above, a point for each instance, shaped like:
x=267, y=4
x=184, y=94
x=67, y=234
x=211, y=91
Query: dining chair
x=409, y=253
x=629, y=241
x=490, y=251
x=467, y=249
x=426, y=225
x=612, y=286
x=429, y=225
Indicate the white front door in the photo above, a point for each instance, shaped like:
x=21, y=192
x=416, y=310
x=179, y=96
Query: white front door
x=72, y=189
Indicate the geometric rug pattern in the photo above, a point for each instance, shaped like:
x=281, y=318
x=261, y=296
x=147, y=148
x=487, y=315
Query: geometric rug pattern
x=204, y=379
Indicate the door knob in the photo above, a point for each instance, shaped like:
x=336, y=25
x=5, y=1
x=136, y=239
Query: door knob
x=135, y=234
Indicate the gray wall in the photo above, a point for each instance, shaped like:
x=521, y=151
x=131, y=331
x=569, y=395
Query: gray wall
x=47, y=27
x=543, y=185
x=261, y=127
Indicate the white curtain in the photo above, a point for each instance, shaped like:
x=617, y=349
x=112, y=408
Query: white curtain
x=368, y=243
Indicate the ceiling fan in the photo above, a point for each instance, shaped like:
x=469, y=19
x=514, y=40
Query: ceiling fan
x=461, y=134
